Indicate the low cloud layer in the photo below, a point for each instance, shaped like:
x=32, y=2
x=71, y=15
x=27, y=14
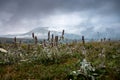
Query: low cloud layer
x=75, y=16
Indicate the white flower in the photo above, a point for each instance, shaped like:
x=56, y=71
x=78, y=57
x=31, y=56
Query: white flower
x=3, y=50
x=93, y=69
x=84, y=52
x=101, y=55
x=84, y=60
x=23, y=60
x=74, y=72
x=103, y=50
x=86, y=66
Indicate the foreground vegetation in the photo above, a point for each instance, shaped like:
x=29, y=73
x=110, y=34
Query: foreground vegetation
x=33, y=61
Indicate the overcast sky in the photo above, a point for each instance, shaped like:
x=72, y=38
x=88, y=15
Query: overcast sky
x=75, y=16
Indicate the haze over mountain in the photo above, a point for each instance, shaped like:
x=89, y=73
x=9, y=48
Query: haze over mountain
x=42, y=33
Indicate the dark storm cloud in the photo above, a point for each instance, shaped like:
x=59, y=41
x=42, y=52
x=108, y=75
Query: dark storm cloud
x=27, y=14
x=36, y=7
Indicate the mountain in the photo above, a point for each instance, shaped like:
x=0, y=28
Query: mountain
x=111, y=33
x=42, y=33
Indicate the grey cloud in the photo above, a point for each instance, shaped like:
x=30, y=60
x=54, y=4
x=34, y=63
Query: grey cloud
x=37, y=7
x=26, y=14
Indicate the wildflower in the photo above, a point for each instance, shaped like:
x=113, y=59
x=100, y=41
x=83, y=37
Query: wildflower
x=48, y=35
x=86, y=66
x=83, y=40
x=24, y=60
x=103, y=50
x=74, y=72
x=83, y=50
x=3, y=50
x=33, y=35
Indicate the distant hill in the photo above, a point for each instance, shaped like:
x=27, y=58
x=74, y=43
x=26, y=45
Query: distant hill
x=42, y=33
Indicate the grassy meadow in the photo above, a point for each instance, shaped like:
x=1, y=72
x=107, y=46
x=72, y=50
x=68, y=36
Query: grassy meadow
x=23, y=61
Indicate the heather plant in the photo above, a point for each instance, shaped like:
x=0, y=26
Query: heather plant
x=63, y=34
x=49, y=36
x=36, y=40
x=104, y=39
x=56, y=40
x=52, y=40
x=83, y=40
x=15, y=39
x=101, y=40
x=15, y=42
x=33, y=36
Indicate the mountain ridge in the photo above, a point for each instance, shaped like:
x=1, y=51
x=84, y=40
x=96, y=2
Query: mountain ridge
x=42, y=33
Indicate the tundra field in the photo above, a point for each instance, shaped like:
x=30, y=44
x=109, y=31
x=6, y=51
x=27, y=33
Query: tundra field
x=68, y=61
